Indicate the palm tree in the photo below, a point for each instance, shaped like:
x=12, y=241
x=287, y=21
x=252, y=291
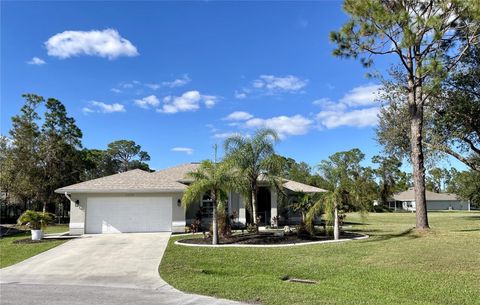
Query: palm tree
x=211, y=177
x=330, y=203
x=252, y=157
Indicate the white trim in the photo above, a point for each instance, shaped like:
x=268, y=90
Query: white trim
x=274, y=246
x=77, y=225
x=180, y=223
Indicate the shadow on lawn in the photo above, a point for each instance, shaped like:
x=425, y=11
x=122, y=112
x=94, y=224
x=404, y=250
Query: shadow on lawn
x=472, y=217
x=469, y=230
x=409, y=233
x=355, y=223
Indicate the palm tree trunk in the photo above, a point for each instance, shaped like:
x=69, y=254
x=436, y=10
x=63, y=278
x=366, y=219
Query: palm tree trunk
x=214, y=219
x=336, y=227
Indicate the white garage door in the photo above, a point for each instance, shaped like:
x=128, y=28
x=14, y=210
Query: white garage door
x=128, y=214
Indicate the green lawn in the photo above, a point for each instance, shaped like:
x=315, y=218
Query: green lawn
x=394, y=266
x=11, y=253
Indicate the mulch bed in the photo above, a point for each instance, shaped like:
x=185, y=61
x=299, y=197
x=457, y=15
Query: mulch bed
x=265, y=239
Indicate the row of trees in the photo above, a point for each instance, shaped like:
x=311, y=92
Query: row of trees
x=44, y=152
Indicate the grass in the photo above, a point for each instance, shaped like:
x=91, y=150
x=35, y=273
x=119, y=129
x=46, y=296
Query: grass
x=396, y=265
x=11, y=253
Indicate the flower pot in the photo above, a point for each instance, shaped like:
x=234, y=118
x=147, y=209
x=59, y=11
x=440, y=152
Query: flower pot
x=37, y=234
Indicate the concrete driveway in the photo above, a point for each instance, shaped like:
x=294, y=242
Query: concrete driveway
x=97, y=266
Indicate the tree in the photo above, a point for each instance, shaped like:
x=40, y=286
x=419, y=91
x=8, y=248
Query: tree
x=428, y=38
x=253, y=158
x=302, y=204
x=213, y=178
x=97, y=163
x=24, y=170
x=466, y=185
x=390, y=176
x=438, y=179
x=350, y=186
x=129, y=155
x=456, y=121
x=59, y=146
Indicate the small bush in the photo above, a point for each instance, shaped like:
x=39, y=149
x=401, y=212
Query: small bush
x=35, y=220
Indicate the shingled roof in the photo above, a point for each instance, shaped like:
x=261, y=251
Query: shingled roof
x=133, y=181
x=172, y=179
x=301, y=188
x=177, y=173
x=409, y=195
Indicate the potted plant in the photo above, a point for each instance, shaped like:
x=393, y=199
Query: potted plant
x=36, y=221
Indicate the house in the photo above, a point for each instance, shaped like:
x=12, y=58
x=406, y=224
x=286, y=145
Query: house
x=435, y=201
x=140, y=201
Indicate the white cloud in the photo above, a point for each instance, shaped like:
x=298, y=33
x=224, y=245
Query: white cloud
x=224, y=135
x=177, y=82
x=361, y=96
x=188, y=101
x=147, y=102
x=104, y=107
x=357, y=108
x=186, y=150
x=87, y=110
x=107, y=43
x=115, y=90
x=238, y=116
x=274, y=84
x=240, y=95
x=283, y=125
x=209, y=100
x=354, y=118
x=36, y=61
x=328, y=104
x=153, y=86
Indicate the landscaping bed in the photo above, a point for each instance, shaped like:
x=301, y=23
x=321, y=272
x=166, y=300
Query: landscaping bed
x=266, y=238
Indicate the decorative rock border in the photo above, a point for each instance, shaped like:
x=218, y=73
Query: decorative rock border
x=364, y=236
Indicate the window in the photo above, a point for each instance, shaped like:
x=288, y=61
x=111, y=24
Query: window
x=206, y=206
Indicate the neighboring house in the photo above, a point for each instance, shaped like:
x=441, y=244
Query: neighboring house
x=435, y=201
x=139, y=201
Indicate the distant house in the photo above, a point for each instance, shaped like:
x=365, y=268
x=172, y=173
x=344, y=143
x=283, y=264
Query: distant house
x=435, y=201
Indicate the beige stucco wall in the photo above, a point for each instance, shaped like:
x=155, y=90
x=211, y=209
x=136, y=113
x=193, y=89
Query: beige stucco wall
x=77, y=214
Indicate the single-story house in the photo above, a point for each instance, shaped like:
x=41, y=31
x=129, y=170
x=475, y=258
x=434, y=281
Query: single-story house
x=435, y=201
x=140, y=201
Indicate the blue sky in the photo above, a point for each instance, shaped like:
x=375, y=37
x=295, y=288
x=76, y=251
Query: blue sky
x=177, y=77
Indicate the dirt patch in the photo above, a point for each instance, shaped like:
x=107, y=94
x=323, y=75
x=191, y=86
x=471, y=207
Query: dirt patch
x=266, y=239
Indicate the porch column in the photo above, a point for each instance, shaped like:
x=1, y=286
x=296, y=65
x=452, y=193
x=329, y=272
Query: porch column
x=242, y=215
x=273, y=203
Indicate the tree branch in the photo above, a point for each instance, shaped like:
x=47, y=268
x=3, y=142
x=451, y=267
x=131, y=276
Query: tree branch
x=474, y=166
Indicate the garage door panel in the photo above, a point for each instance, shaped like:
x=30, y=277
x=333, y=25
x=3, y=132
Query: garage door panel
x=128, y=214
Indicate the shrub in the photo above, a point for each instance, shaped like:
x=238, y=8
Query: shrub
x=35, y=220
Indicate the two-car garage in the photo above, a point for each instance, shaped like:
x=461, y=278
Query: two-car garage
x=128, y=214
x=128, y=202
